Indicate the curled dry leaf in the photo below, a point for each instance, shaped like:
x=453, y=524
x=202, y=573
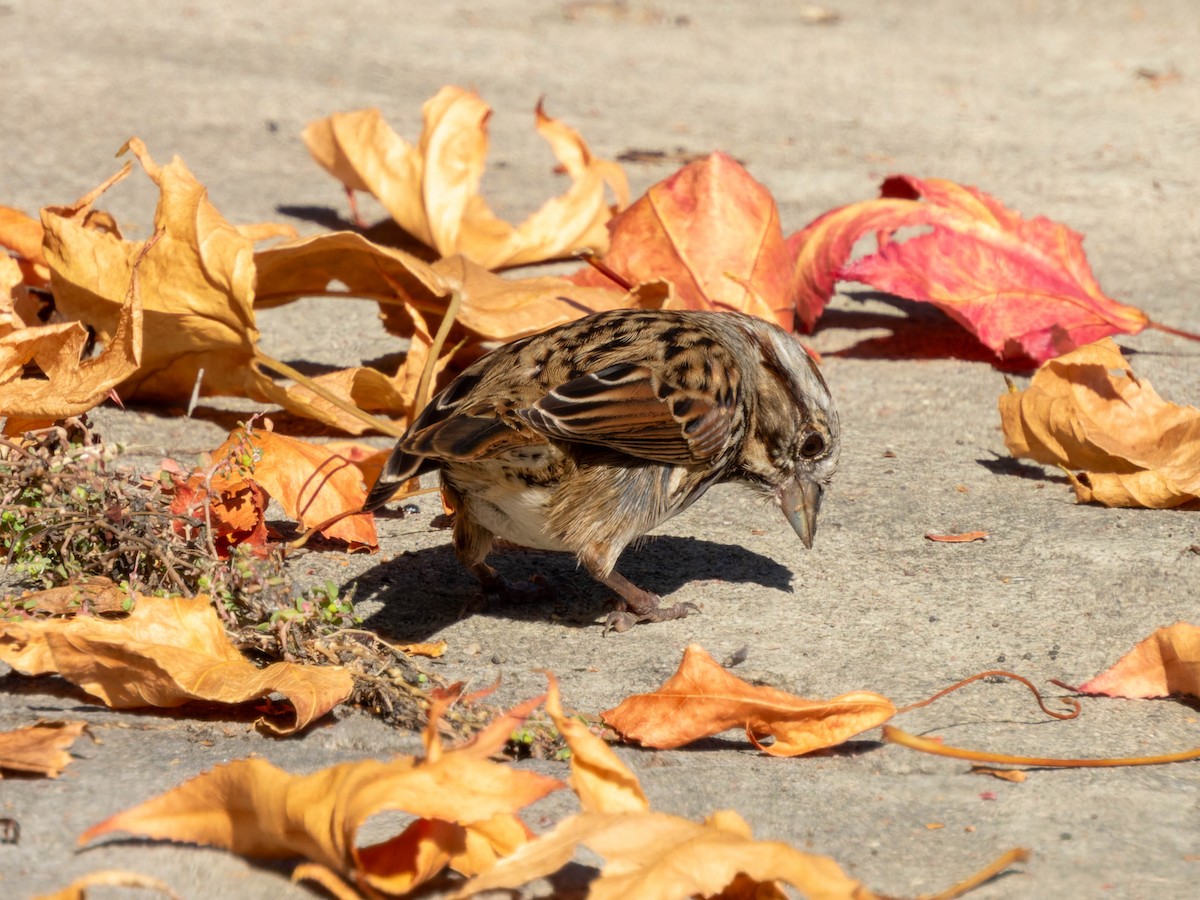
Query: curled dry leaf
x=95, y=595
x=1167, y=662
x=465, y=807
x=166, y=652
x=703, y=699
x=23, y=236
x=964, y=537
x=1088, y=410
x=1022, y=286
x=432, y=189
x=713, y=232
x=78, y=889
x=41, y=748
x=66, y=383
x=599, y=779
x=414, y=297
x=197, y=286
x=313, y=483
x=656, y=856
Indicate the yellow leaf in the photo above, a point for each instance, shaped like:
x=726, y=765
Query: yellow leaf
x=432, y=189
x=167, y=652
x=1087, y=410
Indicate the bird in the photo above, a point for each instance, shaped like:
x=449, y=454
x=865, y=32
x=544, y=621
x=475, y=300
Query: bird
x=584, y=437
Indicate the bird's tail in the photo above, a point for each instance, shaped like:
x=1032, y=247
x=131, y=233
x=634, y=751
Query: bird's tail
x=399, y=468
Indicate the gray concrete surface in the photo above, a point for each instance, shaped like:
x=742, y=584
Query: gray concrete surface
x=1047, y=105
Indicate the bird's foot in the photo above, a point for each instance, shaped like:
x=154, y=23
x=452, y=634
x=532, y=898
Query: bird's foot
x=622, y=618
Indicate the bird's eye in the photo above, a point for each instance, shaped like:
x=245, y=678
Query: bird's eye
x=813, y=446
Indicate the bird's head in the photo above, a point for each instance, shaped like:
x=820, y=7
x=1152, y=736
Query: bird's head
x=792, y=445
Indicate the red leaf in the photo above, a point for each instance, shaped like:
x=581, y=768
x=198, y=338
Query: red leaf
x=1023, y=287
x=714, y=233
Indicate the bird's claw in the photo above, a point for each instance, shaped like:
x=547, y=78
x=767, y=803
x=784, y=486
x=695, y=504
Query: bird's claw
x=622, y=619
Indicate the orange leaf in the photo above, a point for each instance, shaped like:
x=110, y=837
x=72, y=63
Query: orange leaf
x=234, y=508
x=654, y=856
x=311, y=482
x=713, y=232
x=601, y=781
x=40, y=748
x=964, y=538
x=1167, y=662
x=166, y=652
x=69, y=383
x=23, y=236
x=80, y=887
x=464, y=806
x=1022, y=286
x=432, y=189
x=703, y=699
x=1088, y=410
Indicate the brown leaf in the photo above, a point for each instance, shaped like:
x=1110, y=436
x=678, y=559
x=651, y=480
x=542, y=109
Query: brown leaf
x=1088, y=410
x=703, y=699
x=713, y=232
x=432, y=189
x=655, y=856
x=40, y=748
x=167, y=652
x=95, y=595
x=1167, y=662
x=197, y=285
x=68, y=384
x=465, y=808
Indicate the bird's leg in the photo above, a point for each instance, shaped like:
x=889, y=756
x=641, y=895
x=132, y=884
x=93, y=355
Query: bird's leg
x=473, y=543
x=635, y=604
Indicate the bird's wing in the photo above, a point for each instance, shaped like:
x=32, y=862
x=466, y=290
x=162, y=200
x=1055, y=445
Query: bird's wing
x=449, y=428
x=628, y=408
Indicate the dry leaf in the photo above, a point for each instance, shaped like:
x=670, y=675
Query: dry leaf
x=964, y=538
x=656, y=856
x=197, y=288
x=78, y=889
x=432, y=189
x=599, y=779
x=311, y=482
x=713, y=232
x=1014, y=775
x=465, y=808
x=166, y=652
x=95, y=595
x=232, y=509
x=67, y=383
x=40, y=748
x=1167, y=662
x=703, y=699
x=414, y=296
x=1088, y=410
x=1022, y=286
x=23, y=236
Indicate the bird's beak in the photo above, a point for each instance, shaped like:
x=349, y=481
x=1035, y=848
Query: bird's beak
x=800, y=500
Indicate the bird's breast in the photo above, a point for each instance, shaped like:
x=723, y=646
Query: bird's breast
x=510, y=501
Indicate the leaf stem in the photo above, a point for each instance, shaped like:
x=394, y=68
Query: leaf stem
x=1178, y=332
x=903, y=738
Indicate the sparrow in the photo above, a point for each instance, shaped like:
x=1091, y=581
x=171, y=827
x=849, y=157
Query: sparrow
x=585, y=437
